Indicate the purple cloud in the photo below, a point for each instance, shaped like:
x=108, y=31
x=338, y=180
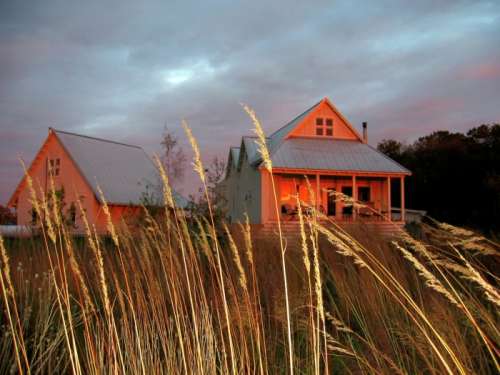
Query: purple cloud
x=125, y=69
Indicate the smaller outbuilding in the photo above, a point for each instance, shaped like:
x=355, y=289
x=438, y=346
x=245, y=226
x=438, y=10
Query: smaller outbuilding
x=79, y=166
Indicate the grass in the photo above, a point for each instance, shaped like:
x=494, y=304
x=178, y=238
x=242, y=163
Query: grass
x=175, y=295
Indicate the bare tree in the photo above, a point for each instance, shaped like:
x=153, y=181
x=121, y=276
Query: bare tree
x=173, y=157
x=214, y=174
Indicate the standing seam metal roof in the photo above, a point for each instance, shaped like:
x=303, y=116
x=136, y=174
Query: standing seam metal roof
x=333, y=154
x=320, y=154
x=123, y=172
x=235, y=155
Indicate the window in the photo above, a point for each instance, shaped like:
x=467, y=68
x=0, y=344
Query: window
x=319, y=126
x=54, y=166
x=34, y=216
x=324, y=126
x=329, y=127
x=72, y=214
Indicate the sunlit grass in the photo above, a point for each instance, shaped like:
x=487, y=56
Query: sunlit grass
x=175, y=295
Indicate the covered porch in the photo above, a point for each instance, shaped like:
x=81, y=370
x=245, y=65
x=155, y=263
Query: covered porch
x=341, y=196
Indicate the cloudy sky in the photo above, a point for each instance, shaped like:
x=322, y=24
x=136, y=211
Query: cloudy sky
x=123, y=69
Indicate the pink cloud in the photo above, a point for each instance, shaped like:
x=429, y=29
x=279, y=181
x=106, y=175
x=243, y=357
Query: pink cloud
x=481, y=71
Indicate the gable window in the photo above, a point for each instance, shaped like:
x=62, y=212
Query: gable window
x=319, y=126
x=54, y=166
x=324, y=126
x=329, y=127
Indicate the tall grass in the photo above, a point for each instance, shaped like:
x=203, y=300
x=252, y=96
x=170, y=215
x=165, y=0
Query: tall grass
x=176, y=295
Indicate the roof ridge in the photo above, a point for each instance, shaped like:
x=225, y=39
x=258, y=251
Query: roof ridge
x=95, y=138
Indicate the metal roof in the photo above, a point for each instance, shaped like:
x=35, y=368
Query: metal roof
x=318, y=153
x=251, y=149
x=235, y=155
x=333, y=154
x=279, y=135
x=123, y=172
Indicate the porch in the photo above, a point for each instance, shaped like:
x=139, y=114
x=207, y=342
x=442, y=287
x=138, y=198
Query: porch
x=341, y=197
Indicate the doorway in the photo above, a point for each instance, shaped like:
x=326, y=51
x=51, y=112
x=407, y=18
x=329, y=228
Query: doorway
x=347, y=210
x=331, y=209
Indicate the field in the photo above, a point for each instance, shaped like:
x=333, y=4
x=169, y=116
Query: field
x=172, y=297
x=180, y=294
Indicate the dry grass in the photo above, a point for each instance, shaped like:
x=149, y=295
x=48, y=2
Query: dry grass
x=174, y=296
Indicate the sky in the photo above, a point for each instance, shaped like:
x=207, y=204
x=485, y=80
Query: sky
x=125, y=69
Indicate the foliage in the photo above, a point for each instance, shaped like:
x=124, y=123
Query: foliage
x=7, y=217
x=456, y=177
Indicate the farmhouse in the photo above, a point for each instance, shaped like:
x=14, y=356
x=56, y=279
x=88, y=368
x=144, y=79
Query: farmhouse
x=79, y=165
x=320, y=152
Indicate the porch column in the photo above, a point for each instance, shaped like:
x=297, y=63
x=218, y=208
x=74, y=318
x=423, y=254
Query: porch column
x=403, y=211
x=389, y=213
x=318, y=196
x=354, y=196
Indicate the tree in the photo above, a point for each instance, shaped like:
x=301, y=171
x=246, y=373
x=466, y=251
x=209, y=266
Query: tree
x=214, y=175
x=391, y=148
x=173, y=157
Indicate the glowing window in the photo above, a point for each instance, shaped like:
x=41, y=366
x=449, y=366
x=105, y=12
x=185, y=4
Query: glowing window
x=324, y=126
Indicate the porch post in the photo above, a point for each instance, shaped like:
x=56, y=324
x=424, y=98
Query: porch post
x=403, y=210
x=318, y=196
x=354, y=196
x=389, y=212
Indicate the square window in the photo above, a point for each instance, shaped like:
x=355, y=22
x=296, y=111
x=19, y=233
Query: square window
x=329, y=122
x=51, y=162
x=319, y=131
x=57, y=171
x=319, y=121
x=329, y=131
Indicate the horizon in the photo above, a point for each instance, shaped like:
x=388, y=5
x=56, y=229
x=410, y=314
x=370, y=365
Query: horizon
x=406, y=70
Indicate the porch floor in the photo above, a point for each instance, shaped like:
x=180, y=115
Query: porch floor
x=291, y=229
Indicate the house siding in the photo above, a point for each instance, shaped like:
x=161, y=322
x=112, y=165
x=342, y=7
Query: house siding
x=243, y=193
x=308, y=127
x=75, y=187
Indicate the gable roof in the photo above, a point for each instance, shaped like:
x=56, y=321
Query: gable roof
x=232, y=160
x=235, y=155
x=320, y=153
x=333, y=154
x=281, y=134
x=123, y=172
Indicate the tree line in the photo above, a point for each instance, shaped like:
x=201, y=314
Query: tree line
x=455, y=176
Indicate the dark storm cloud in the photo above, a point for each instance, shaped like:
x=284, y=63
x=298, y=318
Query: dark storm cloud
x=124, y=69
